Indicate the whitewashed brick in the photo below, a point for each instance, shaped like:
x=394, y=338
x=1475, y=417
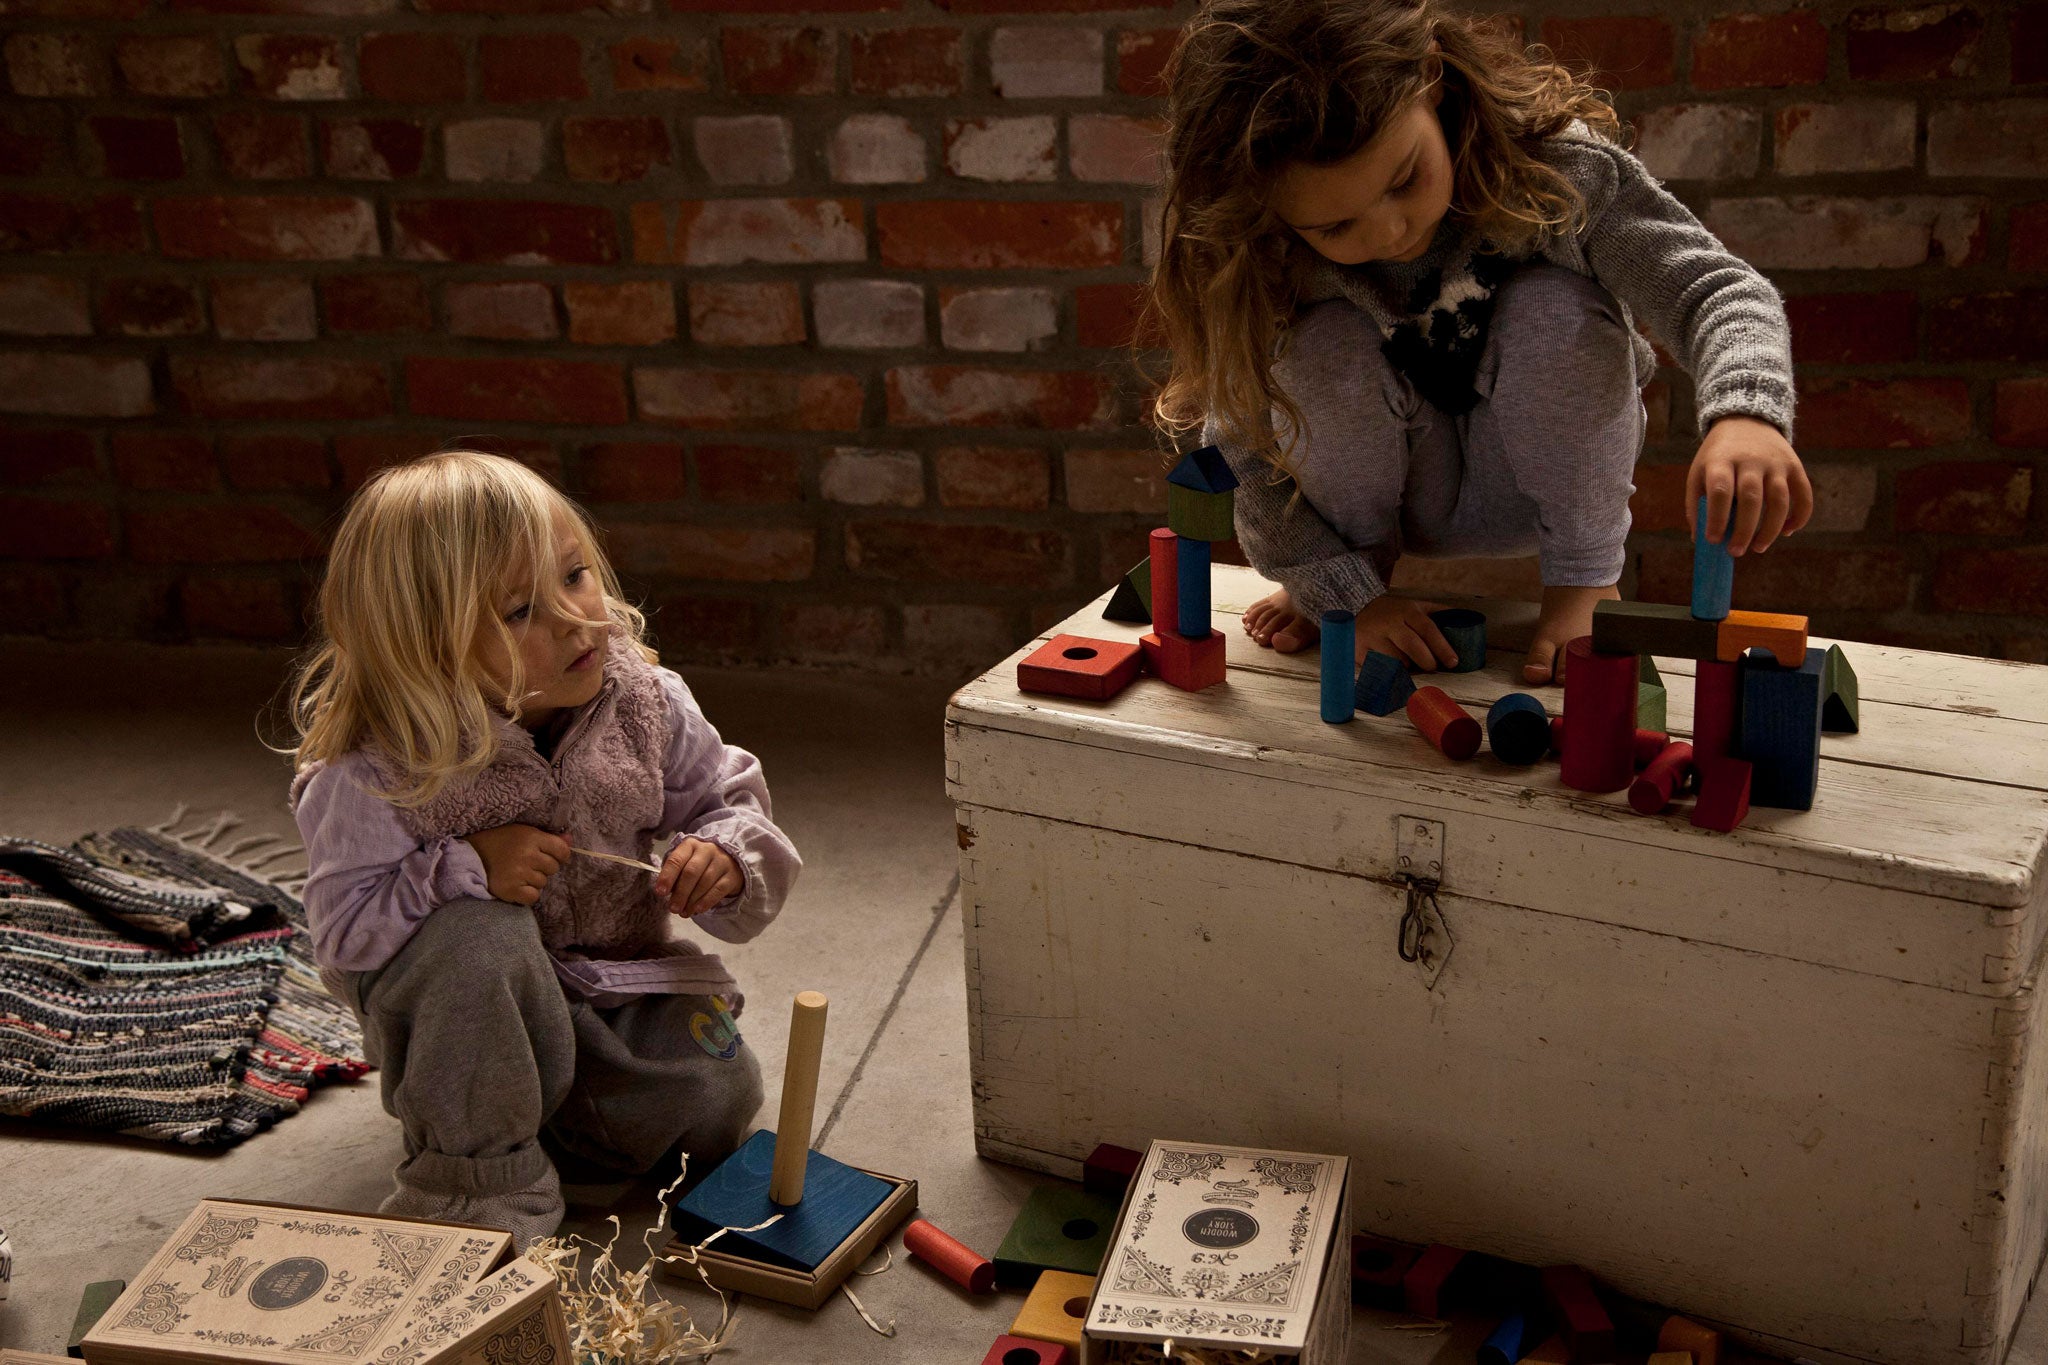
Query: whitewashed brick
x=1700, y=141
x=494, y=149
x=997, y=319
x=745, y=149
x=1008, y=149
x=872, y=478
x=1855, y=135
x=876, y=149
x=868, y=314
x=1045, y=62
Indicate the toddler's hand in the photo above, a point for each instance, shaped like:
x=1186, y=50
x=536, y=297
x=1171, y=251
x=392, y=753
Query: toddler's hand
x=1748, y=464
x=1401, y=627
x=696, y=876
x=518, y=860
x=1566, y=615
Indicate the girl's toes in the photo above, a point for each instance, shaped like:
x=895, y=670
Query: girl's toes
x=1540, y=664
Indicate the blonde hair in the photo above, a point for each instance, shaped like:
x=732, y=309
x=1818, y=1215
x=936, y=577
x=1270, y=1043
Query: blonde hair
x=412, y=583
x=1258, y=85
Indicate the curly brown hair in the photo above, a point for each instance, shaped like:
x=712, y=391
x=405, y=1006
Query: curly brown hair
x=1258, y=85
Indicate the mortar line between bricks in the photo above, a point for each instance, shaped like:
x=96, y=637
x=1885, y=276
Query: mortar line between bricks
x=931, y=932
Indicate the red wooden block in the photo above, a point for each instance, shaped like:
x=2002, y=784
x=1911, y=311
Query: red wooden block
x=1724, y=793
x=1110, y=1169
x=1422, y=1288
x=1187, y=663
x=950, y=1256
x=1557, y=735
x=1649, y=743
x=1165, y=582
x=1076, y=666
x=1784, y=636
x=1378, y=1269
x=1586, y=1324
x=1600, y=716
x=1663, y=779
x=1444, y=723
x=1025, y=1351
x=1716, y=693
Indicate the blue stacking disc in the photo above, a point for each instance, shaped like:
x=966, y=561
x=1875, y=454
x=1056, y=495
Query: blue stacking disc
x=1509, y=1342
x=837, y=1199
x=1384, y=685
x=1340, y=641
x=1713, y=570
x=1518, y=729
x=1466, y=630
x=1192, y=560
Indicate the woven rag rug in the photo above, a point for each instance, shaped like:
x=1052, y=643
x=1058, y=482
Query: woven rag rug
x=155, y=987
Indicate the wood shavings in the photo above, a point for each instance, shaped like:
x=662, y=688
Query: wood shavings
x=888, y=1259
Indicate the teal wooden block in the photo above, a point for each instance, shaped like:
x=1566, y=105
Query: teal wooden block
x=837, y=1200
x=1194, y=515
x=1466, y=631
x=1059, y=1228
x=1841, y=709
x=1131, y=603
x=92, y=1306
x=1384, y=684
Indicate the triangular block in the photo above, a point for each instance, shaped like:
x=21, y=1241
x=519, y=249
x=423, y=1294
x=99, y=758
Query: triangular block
x=1841, y=711
x=1131, y=603
x=1203, y=470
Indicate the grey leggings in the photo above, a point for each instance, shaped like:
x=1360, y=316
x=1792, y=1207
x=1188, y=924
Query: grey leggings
x=1542, y=465
x=481, y=1055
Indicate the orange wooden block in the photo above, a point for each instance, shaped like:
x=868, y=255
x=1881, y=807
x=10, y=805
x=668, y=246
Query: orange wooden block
x=1444, y=723
x=1783, y=636
x=1683, y=1334
x=1189, y=664
x=1076, y=666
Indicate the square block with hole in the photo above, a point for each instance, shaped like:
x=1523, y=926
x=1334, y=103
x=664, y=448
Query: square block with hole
x=1080, y=666
x=1059, y=1228
x=1056, y=1309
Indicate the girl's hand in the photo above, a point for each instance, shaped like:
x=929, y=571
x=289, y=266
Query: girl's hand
x=1401, y=627
x=518, y=860
x=1567, y=614
x=1749, y=465
x=696, y=876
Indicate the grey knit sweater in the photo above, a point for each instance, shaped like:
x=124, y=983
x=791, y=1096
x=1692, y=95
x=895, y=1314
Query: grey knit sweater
x=1713, y=311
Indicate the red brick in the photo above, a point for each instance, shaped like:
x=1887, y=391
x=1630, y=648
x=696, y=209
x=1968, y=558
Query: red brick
x=1741, y=50
x=1851, y=329
x=1116, y=481
x=501, y=310
x=1873, y=414
x=163, y=462
x=706, y=629
x=1141, y=57
x=245, y=386
x=218, y=533
x=668, y=64
x=372, y=148
x=1964, y=497
x=137, y=148
x=634, y=471
x=748, y=474
x=1658, y=503
x=274, y=462
x=528, y=68
x=2011, y=324
x=1106, y=315
x=1920, y=43
x=502, y=232
x=49, y=528
x=239, y=609
x=581, y=392
x=529, y=7
x=1625, y=52
x=961, y=395
x=81, y=9
x=2027, y=237
x=358, y=454
x=502, y=149
x=151, y=308
x=735, y=399
x=258, y=309
x=1817, y=580
x=1113, y=147
x=778, y=61
x=2013, y=582
x=1823, y=232
x=68, y=385
x=1006, y=556
x=832, y=632
x=1853, y=137
x=44, y=306
x=376, y=305
x=297, y=9
x=613, y=150
x=746, y=313
x=784, y=6
x=965, y=234
x=291, y=66
x=2021, y=417
x=412, y=68
x=34, y=140
x=56, y=65
x=734, y=554
x=108, y=224
x=1048, y=6
x=254, y=145
x=1989, y=138
x=620, y=313
x=998, y=477
x=265, y=228
x=900, y=63
x=172, y=66
x=749, y=231
x=32, y=601
x=2028, y=30
x=49, y=459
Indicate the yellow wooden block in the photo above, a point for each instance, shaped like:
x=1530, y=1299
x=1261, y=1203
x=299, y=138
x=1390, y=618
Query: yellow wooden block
x=1056, y=1308
x=1670, y=1358
x=1551, y=1352
x=1683, y=1334
x=1784, y=636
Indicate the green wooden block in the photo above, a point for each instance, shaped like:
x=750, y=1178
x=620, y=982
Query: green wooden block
x=1059, y=1228
x=1840, y=713
x=1653, y=706
x=1131, y=603
x=92, y=1306
x=1200, y=516
x=1646, y=671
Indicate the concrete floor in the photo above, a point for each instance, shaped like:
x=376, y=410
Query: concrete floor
x=105, y=735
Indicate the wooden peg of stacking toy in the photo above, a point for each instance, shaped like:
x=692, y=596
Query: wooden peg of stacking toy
x=799, y=1098
x=954, y=1259
x=1600, y=718
x=1340, y=643
x=1713, y=568
x=1444, y=723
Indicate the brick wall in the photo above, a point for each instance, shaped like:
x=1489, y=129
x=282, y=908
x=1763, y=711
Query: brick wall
x=820, y=307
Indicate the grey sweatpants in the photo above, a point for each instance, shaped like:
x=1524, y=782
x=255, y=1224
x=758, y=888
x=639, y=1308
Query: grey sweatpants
x=1542, y=465
x=481, y=1054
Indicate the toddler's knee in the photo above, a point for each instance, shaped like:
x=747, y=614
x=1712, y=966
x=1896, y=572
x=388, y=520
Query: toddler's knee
x=1551, y=299
x=484, y=940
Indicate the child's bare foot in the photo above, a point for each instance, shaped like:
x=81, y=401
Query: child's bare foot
x=1566, y=615
x=1273, y=621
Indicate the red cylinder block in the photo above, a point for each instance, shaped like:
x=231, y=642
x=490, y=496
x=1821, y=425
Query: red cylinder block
x=957, y=1261
x=1664, y=778
x=1444, y=723
x=1648, y=743
x=1600, y=717
x=1165, y=583
x=1716, y=692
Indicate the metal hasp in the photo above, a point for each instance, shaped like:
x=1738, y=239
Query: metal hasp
x=1425, y=936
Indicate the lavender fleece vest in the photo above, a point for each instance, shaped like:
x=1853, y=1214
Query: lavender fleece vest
x=602, y=790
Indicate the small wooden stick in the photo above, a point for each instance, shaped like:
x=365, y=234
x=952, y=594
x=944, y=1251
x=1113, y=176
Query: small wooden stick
x=799, y=1099
x=655, y=868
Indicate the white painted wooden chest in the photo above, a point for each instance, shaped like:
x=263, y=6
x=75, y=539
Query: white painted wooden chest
x=1789, y=1080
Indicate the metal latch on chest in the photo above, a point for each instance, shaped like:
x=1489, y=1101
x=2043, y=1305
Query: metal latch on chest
x=1425, y=936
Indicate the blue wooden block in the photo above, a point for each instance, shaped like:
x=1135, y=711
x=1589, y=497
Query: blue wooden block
x=1466, y=630
x=1780, y=729
x=1192, y=561
x=1518, y=729
x=837, y=1200
x=1205, y=471
x=1383, y=684
x=1509, y=1343
x=1713, y=569
x=1340, y=643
